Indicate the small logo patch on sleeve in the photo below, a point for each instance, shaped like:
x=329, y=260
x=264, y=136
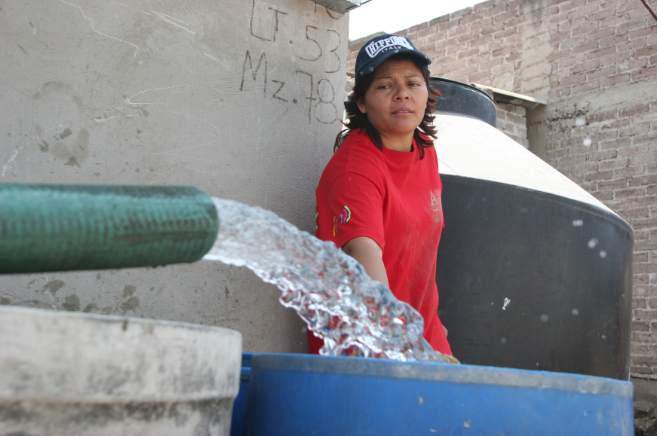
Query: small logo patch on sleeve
x=344, y=217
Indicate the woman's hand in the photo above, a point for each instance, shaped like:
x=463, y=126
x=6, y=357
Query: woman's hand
x=368, y=253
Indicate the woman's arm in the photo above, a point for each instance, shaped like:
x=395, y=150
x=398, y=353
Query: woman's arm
x=370, y=255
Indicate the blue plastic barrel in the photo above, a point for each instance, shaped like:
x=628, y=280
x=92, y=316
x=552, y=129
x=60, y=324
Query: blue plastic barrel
x=239, y=406
x=292, y=394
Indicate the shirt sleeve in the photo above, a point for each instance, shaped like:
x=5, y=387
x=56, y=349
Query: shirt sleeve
x=354, y=206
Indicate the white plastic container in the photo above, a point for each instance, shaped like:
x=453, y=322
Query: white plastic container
x=74, y=374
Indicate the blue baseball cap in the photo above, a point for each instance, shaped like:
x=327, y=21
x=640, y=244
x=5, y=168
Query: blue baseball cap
x=378, y=49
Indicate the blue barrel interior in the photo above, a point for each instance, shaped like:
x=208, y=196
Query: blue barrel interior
x=292, y=394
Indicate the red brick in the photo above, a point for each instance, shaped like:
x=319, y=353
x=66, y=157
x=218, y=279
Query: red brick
x=641, y=337
x=572, y=42
x=472, y=17
x=612, y=21
x=419, y=27
x=631, y=65
x=635, y=129
x=583, y=29
x=640, y=258
x=499, y=18
x=459, y=30
x=632, y=45
x=570, y=61
x=630, y=171
x=648, y=137
x=616, y=124
x=559, y=37
x=439, y=20
x=601, y=73
x=569, y=5
x=644, y=223
x=639, y=108
x=630, y=25
x=585, y=10
x=649, y=179
x=588, y=86
x=641, y=326
x=600, y=175
x=601, y=53
x=647, y=31
x=481, y=23
x=612, y=184
x=585, y=47
x=601, y=14
x=601, y=33
x=634, y=151
x=603, y=196
x=611, y=41
x=646, y=51
x=614, y=80
x=651, y=190
x=602, y=155
x=586, y=66
x=455, y=48
x=571, y=80
x=626, y=7
x=644, y=73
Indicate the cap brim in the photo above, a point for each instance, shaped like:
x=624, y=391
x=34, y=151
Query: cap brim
x=376, y=62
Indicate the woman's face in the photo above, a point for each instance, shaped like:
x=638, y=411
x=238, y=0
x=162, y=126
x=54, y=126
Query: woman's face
x=396, y=100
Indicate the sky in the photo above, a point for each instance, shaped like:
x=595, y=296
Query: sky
x=390, y=16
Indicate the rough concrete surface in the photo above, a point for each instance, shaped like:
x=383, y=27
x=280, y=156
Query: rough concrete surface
x=238, y=98
x=82, y=374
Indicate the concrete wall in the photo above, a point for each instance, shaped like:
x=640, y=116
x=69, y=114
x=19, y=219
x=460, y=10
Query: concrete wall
x=595, y=62
x=239, y=98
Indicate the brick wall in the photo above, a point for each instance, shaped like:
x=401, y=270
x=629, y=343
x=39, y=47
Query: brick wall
x=595, y=62
x=512, y=120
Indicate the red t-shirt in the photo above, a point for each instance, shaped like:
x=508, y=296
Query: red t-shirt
x=393, y=198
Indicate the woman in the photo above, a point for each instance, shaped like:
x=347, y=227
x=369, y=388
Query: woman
x=379, y=196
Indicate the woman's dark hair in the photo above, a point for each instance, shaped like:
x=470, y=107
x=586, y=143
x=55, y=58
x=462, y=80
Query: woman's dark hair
x=358, y=120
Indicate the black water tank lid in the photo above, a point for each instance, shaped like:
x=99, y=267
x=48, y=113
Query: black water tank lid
x=462, y=99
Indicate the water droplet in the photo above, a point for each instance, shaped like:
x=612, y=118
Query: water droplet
x=578, y=223
x=575, y=312
x=536, y=363
x=503, y=340
x=587, y=142
x=544, y=318
x=580, y=120
x=641, y=291
x=604, y=337
x=603, y=254
x=593, y=242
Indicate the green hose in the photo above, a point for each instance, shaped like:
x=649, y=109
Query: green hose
x=82, y=227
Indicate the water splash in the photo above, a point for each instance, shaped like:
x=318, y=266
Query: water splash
x=329, y=289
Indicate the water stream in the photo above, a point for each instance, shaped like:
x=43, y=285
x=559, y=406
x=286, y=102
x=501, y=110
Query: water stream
x=329, y=289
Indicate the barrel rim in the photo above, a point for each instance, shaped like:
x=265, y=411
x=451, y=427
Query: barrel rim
x=441, y=372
